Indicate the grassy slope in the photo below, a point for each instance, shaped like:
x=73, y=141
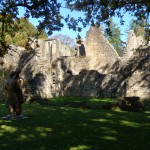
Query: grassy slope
x=59, y=127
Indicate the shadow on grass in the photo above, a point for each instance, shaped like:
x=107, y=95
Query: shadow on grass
x=68, y=128
x=78, y=102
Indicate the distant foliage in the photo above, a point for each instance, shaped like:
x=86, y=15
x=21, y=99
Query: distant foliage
x=25, y=30
x=65, y=39
x=139, y=27
x=113, y=34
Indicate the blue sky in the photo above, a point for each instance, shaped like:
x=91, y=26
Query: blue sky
x=127, y=17
x=123, y=28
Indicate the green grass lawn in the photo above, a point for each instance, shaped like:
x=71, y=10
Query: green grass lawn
x=55, y=125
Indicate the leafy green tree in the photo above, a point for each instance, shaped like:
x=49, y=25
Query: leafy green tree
x=25, y=30
x=50, y=17
x=113, y=34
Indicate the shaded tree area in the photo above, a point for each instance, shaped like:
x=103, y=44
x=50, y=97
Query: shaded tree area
x=50, y=17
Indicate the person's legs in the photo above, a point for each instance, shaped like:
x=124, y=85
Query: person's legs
x=11, y=110
x=18, y=108
x=20, y=101
x=18, y=111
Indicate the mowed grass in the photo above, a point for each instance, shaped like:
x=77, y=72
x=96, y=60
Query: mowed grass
x=55, y=125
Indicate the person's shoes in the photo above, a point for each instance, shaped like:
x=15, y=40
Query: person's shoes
x=13, y=118
x=22, y=117
x=19, y=117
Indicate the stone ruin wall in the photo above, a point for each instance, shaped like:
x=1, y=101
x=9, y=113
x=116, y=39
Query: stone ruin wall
x=137, y=53
x=139, y=84
x=44, y=67
x=100, y=52
x=106, y=74
x=133, y=43
x=51, y=70
x=55, y=49
x=37, y=66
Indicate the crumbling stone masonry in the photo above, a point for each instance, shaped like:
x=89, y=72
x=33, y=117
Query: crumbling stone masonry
x=37, y=64
x=52, y=69
x=133, y=43
x=107, y=74
x=99, y=51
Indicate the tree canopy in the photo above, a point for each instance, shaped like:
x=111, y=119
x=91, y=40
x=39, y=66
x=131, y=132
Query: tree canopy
x=138, y=27
x=50, y=17
x=114, y=35
x=25, y=30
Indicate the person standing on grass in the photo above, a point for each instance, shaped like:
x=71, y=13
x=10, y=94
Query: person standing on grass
x=12, y=101
x=19, y=92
